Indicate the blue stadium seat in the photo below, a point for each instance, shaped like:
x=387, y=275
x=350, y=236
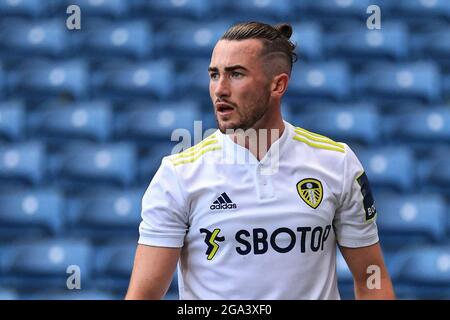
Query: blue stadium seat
x=12, y=120
x=37, y=264
x=389, y=167
x=193, y=79
x=23, y=162
x=326, y=79
x=435, y=43
x=159, y=120
x=110, y=8
x=92, y=163
x=105, y=213
x=429, y=125
x=74, y=294
x=359, y=122
x=154, y=79
x=133, y=38
x=42, y=78
x=29, y=8
x=391, y=41
x=180, y=9
x=150, y=162
x=434, y=171
x=114, y=263
x=309, y=40
x=47, y=37
x=427, y=9
x=31, y=213
x=427, y=269
x=83, y=120
x=417, y=218
x=188, y=40
x=420, y=81
x=343, y=9
x=8, y=294
x=262, y=10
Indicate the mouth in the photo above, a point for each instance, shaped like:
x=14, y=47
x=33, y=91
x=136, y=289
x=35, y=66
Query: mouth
x=224, y=109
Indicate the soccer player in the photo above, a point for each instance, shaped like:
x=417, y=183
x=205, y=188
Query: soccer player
x=247, y=222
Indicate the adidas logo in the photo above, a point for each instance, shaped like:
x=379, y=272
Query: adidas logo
x=223, y=202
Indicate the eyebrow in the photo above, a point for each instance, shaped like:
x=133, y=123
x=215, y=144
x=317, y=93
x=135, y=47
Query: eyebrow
x=228, y=69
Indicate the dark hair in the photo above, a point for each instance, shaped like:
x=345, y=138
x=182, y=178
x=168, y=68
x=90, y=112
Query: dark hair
x=275, y=38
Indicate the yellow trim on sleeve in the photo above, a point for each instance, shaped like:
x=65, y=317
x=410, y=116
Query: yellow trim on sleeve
x=318, y=145
x=201, y=152
x=317, y=137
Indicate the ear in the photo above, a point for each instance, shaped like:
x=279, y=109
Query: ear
x=279, y=85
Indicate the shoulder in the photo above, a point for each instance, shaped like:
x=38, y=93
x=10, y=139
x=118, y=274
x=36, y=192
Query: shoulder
x=194, y=155
x=317, y=142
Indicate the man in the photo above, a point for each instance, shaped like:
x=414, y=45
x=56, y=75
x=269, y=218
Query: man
x=266, y=227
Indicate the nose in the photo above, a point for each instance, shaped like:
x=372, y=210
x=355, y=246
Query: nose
x=222, y=88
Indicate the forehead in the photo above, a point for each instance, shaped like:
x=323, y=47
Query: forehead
x=233, y=52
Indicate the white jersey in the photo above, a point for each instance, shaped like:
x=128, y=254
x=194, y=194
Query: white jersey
x=247, y=234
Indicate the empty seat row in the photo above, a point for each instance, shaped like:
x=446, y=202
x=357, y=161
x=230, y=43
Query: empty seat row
x=159, y=79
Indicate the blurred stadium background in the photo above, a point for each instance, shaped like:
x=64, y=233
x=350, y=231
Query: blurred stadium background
x=85, y=117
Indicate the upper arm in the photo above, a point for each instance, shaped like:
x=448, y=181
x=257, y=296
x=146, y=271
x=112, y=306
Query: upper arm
x=359, y=260
x=355, y=217
x=152, y=272
x=369, y=272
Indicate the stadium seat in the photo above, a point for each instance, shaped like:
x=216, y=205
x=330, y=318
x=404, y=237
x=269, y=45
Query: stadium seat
x=434, y=171
x=23, y=162
x=159, y=121
x=12, y=120
x=37, y=264
x=114, y=263
x=152, y=79
x=151, y=160
x=27, y=8
x=74, y=294
x=425, y=9
x=91, y=120
x=8, y=294
x=180, y=9
x=267, y=10
x=351, y=42
x=358, y=122
x=110, y=8
x=416, y=218
x=105, y=213
x=427, y=269
x=189, y=40
x=193, y=79
x=44, y=37
x=133, y=38
x=92, y=163
x=33, y=212
x=434, y=43
x=416, y=81
x=42, y=78
x=326, y=79
x=429, y=125
x=344, y=9
x=309, y=40
x=389, y=167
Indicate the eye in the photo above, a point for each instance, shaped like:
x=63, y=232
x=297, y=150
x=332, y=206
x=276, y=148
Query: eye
x=237, y=74
x=213, y=75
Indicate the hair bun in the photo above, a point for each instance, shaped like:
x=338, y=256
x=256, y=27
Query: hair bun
x=285, y=29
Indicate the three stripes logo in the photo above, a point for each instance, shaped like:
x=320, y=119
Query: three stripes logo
x=210, y=240
x=311, y=191
x=223, y=202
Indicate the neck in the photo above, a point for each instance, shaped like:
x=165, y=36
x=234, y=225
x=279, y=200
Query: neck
x=261, y=136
